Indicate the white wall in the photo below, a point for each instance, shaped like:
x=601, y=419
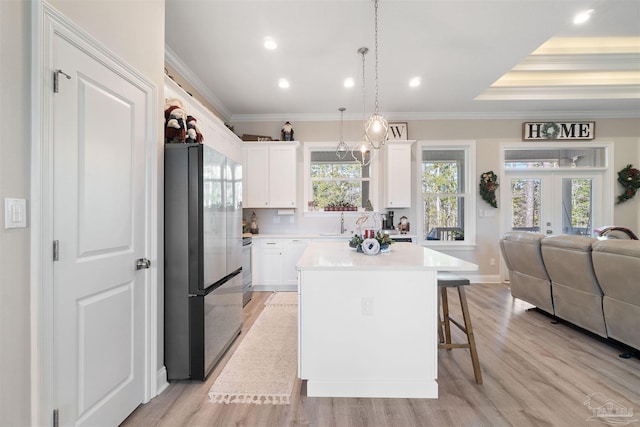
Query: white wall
x=14, y=183
x=133, y=30
x=489, y=135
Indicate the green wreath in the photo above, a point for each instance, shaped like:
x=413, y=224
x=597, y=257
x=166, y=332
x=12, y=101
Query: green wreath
x=629, y=177
x=488, y=186
x=550, y=130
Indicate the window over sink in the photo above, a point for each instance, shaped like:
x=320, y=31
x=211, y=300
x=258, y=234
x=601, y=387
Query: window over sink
x=332, y=183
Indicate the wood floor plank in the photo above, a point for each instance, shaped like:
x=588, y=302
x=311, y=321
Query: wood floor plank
x=536, y=373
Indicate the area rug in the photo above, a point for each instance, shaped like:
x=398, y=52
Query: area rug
x=282, y=299
x=263, y=368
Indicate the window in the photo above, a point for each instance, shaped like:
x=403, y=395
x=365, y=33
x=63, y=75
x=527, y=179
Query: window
x=546, y=158
x=448, y=199
x=337, y=182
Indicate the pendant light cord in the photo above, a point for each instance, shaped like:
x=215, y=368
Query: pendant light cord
x=376, y=49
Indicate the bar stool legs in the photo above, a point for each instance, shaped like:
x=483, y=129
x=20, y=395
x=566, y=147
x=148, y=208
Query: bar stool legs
x=444, y=329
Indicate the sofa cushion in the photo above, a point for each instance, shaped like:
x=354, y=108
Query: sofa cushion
x=617, y=266
x=577, y=297
x=528, y=277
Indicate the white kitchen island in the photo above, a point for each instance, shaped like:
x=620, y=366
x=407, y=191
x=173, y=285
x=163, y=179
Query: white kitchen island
x=368, y=323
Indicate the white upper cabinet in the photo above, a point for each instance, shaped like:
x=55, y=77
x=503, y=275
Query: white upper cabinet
x=396, y=172
x=270, y=174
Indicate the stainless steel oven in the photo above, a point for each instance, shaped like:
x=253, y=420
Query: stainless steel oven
x=247, y=290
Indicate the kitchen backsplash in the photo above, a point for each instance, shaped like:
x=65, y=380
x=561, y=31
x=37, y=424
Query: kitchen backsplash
x=269, y=222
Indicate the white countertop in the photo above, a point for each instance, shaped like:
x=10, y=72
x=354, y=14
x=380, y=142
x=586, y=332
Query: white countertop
x=403, y=256
x=318, y=236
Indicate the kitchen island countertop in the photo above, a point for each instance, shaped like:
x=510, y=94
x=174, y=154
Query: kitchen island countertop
x=406, y=256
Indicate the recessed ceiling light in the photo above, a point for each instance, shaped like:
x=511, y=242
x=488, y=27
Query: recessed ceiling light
x=270, y=43
x=283, y=83
x=415, y=82
x=582, y=17
x=348, y=82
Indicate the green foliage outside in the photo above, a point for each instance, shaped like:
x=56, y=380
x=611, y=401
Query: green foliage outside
x=576, y=205
x=338, y=184
x=525, y=204
x=441, y=188
x=580, y=209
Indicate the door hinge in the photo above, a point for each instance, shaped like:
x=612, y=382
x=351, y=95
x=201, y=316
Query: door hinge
x=56, y=77
x=56, y=250
x=56, y=421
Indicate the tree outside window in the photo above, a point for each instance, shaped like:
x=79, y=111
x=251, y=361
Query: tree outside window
x=338, y=182
x=443, y=194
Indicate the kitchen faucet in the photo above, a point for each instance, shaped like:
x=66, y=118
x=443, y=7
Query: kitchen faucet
x=342, y=227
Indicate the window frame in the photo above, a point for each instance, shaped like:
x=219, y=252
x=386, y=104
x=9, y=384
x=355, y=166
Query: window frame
x=309, y=147
x=469, y=194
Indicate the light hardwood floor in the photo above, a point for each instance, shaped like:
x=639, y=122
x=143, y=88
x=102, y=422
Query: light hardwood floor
x=536, y=373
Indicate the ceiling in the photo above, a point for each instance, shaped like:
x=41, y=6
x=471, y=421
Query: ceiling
x=475, y=58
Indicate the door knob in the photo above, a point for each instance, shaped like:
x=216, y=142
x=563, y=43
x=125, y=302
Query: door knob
x=142, y=263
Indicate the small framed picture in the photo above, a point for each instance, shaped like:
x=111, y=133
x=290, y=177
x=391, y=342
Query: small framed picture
x=398, y=130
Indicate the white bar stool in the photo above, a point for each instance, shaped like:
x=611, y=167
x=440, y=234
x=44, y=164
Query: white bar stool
x=445, y=281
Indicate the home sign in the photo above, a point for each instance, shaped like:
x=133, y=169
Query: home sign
x=558, y=131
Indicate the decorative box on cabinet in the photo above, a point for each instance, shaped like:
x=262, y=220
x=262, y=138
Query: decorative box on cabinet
x=270, y=174
x=397, y=174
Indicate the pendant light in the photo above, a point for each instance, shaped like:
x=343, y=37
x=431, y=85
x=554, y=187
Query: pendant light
x=361, y=152
x=342, y=149
x=377, y=128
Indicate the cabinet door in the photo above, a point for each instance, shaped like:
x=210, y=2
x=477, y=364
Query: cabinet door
x=268, y=271
x=293, y=250
x=398, y=174
x=256, y=177
x=282, y=176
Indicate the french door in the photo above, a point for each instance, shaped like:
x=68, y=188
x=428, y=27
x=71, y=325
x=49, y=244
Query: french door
x=554, y=202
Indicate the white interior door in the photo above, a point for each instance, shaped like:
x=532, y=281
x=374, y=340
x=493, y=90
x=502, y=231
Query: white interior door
x=99, y=193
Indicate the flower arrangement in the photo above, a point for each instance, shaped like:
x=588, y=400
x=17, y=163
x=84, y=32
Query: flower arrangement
x=382, y=238
x=629, y=177
x=488, y=186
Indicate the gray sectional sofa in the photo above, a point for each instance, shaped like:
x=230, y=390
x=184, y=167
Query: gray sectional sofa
x=594, y=284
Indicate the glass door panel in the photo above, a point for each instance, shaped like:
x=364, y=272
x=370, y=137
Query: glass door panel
x=526, y=198
x=577, y=205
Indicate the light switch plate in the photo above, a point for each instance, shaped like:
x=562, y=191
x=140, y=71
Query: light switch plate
x=15, y=213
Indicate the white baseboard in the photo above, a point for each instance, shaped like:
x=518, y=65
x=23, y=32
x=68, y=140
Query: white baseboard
x=275, y=288
x=161, y=380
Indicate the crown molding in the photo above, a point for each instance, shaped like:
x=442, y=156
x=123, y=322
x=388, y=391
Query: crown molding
x=526, y=93
x=176, y=63
x=415, y=116
x=586, y=62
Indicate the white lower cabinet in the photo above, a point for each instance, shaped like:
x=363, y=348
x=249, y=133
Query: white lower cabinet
x=293, y=250
x=274, y=264
x=268, y=264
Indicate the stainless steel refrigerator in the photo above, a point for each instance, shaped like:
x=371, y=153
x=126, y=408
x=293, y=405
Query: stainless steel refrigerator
x=203, y=258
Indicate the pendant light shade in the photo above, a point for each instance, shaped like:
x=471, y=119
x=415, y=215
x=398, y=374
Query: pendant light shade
x=376, y=130
x=342, y=149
